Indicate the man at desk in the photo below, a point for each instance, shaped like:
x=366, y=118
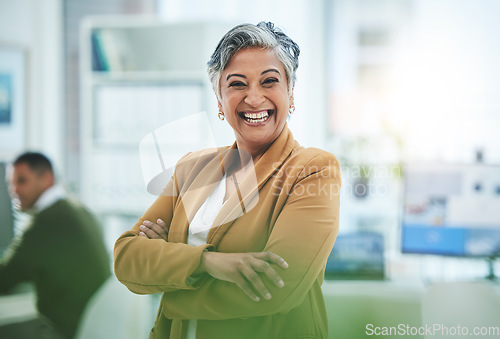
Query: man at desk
x=61, y=251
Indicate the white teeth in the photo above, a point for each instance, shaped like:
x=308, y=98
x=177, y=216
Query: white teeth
x=256, y=117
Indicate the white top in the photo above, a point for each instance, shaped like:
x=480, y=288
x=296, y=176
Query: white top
x=49, y=197
x=45, y=200
x=200, y=226
x=206, y=214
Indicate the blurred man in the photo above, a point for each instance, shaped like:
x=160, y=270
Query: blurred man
x=61, y=251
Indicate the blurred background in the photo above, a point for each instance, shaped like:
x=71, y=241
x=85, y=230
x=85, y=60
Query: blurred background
x=406, y=93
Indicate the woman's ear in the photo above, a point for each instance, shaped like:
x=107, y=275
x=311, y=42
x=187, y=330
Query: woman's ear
x=291, y=93
x=291, y=104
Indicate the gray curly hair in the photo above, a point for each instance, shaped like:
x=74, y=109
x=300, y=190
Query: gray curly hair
x=265, y=35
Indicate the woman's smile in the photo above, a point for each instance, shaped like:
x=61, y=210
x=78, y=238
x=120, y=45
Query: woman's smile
x=258, y=118
x=254, y=98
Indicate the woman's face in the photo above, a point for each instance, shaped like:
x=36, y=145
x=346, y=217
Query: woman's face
x=254, y=98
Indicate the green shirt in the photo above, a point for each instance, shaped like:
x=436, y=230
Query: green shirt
x=63, y=254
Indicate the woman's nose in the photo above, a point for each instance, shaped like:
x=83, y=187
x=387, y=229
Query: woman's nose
x=254, y=97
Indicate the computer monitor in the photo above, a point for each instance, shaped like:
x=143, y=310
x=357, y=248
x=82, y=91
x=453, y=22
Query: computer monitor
x=451, y=210
x=6, y=212
x=356, y=256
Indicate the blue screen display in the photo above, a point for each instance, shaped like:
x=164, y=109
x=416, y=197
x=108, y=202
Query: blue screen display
x=451, y=210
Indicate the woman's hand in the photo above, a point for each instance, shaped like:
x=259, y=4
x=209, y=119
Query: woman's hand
x=242, y=269
x=154, y=231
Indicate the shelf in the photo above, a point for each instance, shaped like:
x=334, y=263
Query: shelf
x=140, y=45
x=196, y=77
x=140, y=75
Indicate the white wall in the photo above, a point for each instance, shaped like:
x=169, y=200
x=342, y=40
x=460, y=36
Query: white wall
x=456, y=79
x=439, y=78
x=36, y=27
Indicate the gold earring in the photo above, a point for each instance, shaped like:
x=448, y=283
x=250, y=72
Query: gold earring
x=221, y=116
x=291, y=109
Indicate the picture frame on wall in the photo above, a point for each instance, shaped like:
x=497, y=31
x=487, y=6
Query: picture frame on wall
x=12, y=100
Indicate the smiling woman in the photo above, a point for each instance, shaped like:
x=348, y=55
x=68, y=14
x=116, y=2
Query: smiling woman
x=239, y=239
x=254, y=98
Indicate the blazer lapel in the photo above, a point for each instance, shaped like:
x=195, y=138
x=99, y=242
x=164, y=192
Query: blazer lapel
x=246, y=197
x=201, y=178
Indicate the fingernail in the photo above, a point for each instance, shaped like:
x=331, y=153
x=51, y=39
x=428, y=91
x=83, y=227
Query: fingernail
x=256, y=299
x=268, y=296
x=147, y=222
x=142, y=234
x=285, y=263
x=142, y=227
x=159, y=221
x=281, y=283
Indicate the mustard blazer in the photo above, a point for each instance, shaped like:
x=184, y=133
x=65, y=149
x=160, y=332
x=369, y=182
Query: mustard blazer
x=293, y=212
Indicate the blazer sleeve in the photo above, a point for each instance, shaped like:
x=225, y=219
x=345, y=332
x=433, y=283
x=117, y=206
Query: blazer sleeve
x=303, y=234
x=147, y=266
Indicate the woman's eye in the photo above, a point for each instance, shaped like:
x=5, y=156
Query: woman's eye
x=236, y=84
x=270, y=81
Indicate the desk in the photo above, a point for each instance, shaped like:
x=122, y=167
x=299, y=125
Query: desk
x=17, y=307
x=352, y=305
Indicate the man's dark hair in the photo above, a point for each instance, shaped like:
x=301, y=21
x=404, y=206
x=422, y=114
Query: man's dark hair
x=36, y=161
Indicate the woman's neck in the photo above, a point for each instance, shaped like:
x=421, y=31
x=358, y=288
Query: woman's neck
x=256, y=153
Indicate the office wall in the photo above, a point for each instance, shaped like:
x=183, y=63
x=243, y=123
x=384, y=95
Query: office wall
x=73, y=13
x=35, y=27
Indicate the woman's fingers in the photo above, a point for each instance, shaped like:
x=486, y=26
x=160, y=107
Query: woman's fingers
x=246, y=287
x=154, y=231
x=271, y=258
x=256, y=283
x=163, y=225
x=246, y=270
x=269, y=271
x=260, y=263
